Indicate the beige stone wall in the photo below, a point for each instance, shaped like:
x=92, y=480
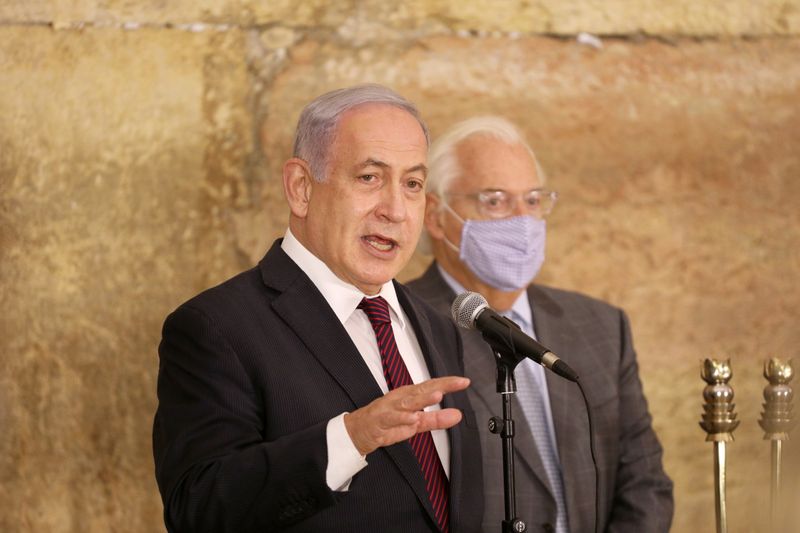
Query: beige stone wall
x=140, y=145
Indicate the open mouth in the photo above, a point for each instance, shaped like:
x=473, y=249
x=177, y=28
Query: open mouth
x=380, y=243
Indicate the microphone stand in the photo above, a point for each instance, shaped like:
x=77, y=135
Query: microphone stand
x=507, y=358
x=506, y=386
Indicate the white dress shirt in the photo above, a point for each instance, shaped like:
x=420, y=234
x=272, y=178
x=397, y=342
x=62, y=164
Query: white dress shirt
x=344, y=460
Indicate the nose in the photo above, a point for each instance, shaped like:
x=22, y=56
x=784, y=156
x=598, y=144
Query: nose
x=519, y=206
x=392, y=203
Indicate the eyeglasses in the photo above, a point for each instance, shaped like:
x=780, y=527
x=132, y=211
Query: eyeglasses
x=500, y=204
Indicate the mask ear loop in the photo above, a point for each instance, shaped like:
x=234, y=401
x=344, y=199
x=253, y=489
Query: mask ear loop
x=457, y=217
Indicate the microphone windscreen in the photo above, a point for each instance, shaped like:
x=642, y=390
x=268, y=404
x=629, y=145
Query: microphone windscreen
x=466, y=307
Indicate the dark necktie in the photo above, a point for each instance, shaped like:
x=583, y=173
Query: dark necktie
x=396, y=374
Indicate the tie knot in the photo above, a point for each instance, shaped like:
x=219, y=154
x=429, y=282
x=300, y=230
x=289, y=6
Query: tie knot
x=377, y=310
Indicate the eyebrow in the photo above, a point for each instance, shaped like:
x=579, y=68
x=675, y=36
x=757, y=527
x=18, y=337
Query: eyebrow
x=370, y=162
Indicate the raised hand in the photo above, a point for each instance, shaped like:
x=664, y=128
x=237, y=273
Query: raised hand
x=398, y=415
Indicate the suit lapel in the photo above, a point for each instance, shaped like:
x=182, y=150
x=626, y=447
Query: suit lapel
x=566, y=404
x=327, y=340
x=304, y=309
x=422, y=329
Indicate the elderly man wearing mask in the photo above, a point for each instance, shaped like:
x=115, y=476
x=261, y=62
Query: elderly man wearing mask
x=485, y=220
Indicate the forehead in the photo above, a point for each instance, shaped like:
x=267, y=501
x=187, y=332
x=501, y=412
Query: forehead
x=379, y=130
x=489, y=163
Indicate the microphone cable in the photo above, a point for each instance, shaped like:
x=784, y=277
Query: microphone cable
x=594, y=458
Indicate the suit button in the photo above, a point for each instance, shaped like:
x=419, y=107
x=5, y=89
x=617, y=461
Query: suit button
x=548, y=527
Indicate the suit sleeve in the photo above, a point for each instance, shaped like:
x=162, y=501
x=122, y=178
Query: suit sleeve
x=643, y=492
x=215, y=471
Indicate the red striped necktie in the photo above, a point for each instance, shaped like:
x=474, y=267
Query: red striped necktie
x=396, y=374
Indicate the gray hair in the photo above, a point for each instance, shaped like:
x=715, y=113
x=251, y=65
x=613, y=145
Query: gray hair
x=443, y=163
x=316, y=127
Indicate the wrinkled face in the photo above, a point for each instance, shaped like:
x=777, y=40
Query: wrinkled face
x=486, y=164
x=365, y=219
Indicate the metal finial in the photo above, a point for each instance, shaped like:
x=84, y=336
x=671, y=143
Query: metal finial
x=776, y=419
x=719, y=418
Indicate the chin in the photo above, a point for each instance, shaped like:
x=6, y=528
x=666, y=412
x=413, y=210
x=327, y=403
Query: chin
x=376, y=278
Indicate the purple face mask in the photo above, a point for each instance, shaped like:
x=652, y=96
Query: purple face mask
x=506, y=253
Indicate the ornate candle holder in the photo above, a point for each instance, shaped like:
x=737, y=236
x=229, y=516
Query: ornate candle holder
x=719, y=421
x=777, y=421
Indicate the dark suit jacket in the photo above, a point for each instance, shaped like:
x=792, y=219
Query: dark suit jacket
x=251, y=371
x=594, y=339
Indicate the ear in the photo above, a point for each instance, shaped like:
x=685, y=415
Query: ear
x=433, y=217
x=297, y=186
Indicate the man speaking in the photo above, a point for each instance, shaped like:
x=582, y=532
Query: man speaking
x=312, y=392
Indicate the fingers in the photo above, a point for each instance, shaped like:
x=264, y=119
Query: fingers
x=419, y=396
x=445, y=384
x=399, y=414
x=439, y=419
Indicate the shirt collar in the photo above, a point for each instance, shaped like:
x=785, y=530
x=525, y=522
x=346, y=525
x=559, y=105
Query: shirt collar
x=341, y=296
x=520, y=311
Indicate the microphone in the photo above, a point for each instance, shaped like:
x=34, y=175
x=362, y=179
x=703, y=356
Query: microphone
x=470, y=310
